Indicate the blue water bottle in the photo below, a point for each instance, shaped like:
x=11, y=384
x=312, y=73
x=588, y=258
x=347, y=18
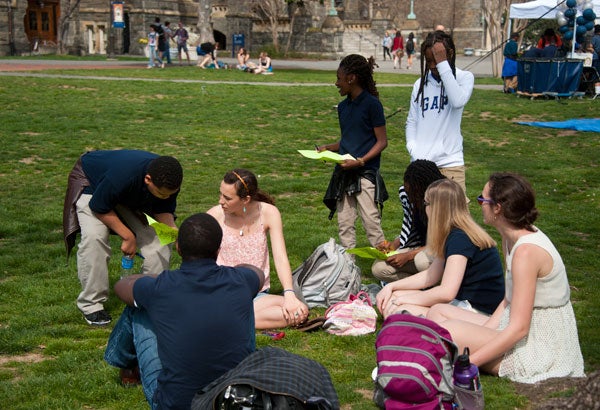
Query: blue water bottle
x=126, y=265
x=466, y=374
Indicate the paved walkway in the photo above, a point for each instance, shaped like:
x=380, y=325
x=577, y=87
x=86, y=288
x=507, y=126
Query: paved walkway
x=34, y=68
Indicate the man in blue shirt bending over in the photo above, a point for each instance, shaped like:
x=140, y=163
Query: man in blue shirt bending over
x=108, y=192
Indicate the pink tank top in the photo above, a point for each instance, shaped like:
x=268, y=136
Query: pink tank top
x=248, y=248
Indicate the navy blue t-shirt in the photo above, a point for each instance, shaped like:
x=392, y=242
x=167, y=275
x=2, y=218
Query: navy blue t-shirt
x=117, y=178
x=203, y=317
x=358, y=119
x=483, y=282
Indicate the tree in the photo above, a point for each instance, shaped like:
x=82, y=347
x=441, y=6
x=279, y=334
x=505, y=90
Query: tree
x=294, y=9
x=270, y=11
x=68, y=7
x=204, y=25
x=493, y=12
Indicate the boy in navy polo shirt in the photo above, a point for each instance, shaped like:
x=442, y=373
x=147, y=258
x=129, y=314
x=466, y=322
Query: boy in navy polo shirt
x=108, y=192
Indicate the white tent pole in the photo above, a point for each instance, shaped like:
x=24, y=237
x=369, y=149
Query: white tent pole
x=574, y=33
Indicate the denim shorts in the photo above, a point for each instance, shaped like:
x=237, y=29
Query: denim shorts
x=466, y=305
x=261, y=294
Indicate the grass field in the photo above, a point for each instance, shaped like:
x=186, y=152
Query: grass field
x=50, y=358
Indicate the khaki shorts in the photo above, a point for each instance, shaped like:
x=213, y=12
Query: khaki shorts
x=457, y=174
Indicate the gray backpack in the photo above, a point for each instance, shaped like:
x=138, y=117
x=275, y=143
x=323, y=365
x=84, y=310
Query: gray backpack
x=328, y=276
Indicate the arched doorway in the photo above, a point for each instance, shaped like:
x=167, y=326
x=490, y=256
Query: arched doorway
x=41, y=22
x=126, y=34
x=221, y=39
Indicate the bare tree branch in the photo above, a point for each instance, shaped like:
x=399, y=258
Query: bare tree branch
x=204, y=26
x=68, y=7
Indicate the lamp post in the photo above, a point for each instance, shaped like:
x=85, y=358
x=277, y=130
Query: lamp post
x=411, y=15
x=111, y=33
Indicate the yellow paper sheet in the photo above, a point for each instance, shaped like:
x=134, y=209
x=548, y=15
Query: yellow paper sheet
x=166, y=234
x=328, y=156
x=369, y=252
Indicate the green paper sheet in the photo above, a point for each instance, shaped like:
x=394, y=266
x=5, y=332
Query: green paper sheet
x=165, y=233
x=327, y=156
x=369, y=252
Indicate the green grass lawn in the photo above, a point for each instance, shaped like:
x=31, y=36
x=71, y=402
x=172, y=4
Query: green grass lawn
x=50, y=358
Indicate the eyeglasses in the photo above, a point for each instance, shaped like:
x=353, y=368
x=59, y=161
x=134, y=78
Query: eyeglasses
x=481, y=200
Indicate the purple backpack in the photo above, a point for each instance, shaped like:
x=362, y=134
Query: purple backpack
x=414, y=360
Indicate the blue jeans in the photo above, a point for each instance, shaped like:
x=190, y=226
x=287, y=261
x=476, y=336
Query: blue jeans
x=133, y=342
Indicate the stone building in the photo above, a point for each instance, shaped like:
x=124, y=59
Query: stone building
x=333, y=28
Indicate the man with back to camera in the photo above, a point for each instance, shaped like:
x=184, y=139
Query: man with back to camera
x=108, y=191
x=185, y=328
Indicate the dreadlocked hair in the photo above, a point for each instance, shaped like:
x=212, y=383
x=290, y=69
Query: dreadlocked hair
x=363, y=69
x=432, y=38
x=418, y=176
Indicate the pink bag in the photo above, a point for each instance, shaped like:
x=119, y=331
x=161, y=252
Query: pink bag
x=353, y=317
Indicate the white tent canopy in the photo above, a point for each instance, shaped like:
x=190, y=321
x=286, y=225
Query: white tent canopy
x=538, y=8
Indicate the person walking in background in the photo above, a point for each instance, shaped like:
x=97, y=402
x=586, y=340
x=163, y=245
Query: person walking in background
x=246, y=215
x=184, y=328
x=152, y=48
x=356, y=184
x=182, y=36
x=387, y=43
x=466, y=271
x=398, y=49
x=110, y=191
x=168, y=37
x=410, y=50
x=162, y=42
x=436, y=105
x=412, y=257
x=509, y=68
x=532, y=335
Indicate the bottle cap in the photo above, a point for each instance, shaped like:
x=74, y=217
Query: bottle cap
x=463, y=359
x=127, y=262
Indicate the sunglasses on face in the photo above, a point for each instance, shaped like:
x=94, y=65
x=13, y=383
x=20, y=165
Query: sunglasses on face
x=481, y=200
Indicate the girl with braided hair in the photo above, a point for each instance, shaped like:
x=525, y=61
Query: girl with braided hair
x=436, y=105
x=466, y=270
x=356, y=184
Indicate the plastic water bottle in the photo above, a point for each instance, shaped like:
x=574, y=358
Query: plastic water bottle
x=126, y=265
x=466, y=374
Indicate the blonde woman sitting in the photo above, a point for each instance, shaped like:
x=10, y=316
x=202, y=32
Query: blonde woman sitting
x=264, y=64
x=466, y=270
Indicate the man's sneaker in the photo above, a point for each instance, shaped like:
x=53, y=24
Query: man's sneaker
x=99, y=318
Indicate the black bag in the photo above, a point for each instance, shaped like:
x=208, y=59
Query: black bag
x=207, y=47
x=270, y=378
x=244, y=396
x=410, y=46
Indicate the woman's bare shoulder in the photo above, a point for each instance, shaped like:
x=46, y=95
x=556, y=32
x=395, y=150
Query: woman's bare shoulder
x=217, y=212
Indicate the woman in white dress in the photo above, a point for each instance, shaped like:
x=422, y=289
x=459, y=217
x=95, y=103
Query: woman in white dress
x=532, y=335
